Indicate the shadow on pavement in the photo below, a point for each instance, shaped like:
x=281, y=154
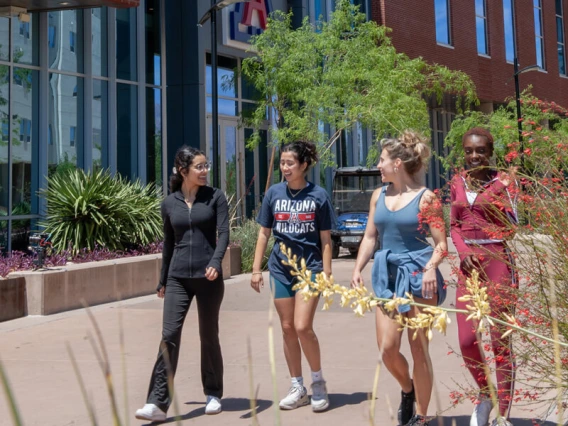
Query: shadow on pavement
x=338, y=400
x=464, y=421
x=229, y=405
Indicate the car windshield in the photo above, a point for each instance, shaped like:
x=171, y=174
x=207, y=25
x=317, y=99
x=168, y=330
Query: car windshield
x=353, y=193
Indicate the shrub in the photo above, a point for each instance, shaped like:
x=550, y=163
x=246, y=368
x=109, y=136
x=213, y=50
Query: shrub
x=88, y=209
x=246, y=236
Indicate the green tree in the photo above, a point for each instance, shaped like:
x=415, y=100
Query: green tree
x=338, y=73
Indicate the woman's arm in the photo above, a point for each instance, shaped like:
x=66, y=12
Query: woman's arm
x=432, y=211
x=326, y=249
x=222, y=211
x=368, y=242
x=167, y=249
x=256, y=280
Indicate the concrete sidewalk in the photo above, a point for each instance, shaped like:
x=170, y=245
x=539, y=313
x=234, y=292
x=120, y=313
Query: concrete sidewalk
x=33, y=351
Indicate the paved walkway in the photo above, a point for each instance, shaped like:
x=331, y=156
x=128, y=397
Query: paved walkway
x=33, y=351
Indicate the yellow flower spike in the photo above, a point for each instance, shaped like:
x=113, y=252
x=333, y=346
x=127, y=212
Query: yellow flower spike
x=505, y=334
x=430, y=334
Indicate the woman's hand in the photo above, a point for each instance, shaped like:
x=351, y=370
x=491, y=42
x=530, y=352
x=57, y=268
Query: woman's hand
x=429, y=283
x=256, y=281
x=506, y=177
x=357, y=280
x=161, y=292
x=211, y=273
x=470, y=263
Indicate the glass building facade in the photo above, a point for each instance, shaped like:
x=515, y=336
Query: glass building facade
x=78, y=89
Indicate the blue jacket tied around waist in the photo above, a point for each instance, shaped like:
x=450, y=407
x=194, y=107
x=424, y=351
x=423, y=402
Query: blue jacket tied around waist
x=408, y=277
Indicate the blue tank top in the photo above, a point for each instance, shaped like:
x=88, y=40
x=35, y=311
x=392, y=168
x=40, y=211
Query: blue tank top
x=398, y=230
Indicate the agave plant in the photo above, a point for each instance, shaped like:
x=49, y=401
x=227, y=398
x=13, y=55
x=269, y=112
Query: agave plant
x=86, y=209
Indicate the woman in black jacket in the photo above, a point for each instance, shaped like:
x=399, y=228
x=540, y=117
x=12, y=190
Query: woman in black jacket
x=196, y=235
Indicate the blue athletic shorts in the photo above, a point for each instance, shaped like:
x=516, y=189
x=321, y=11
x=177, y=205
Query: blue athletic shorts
x=281, y=290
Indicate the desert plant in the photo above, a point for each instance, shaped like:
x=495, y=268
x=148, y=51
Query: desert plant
x=87, y=209
x=245, y=235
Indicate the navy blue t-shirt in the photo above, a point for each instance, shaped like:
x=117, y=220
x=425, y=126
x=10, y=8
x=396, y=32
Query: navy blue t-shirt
x=296, y=222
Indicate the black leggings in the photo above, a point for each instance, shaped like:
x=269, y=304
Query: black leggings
x=178, y=297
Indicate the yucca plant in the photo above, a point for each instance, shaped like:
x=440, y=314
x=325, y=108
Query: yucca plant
x=86, y=209
x=246, y=235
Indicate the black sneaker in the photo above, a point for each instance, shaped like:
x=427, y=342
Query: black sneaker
x=418, y=420
x=406, y=407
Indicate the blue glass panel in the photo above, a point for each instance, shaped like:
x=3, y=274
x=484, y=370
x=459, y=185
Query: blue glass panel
x=561, y=60
x=66, y=43
x=99, y=47
x=559, y=30
x=480, y=7
x=154, y=136
x=537, y=26
x=4, y=144
x=539, y=53
x=509, y=30
x=442, y=21
x=127, y=129
x=126, y=44
x=225, y=106
x=65, y=112
x=153, y=42
x=481, y=36
x=25, y=40
x=559, y=7
x=100, y=124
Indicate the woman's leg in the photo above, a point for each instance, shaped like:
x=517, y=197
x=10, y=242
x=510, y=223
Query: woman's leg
x=209, y=295
x=304, y=313
x=422, y=373
x=469, y=340
x=500, y=277
x=177, y=300
x=292, y=350
x=388, y=339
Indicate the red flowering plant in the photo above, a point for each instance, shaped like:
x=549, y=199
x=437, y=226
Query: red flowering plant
x=539, y=242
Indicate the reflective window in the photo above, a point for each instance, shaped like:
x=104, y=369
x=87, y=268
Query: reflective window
x=509, y=27
x=127, y=129
x=538, y=33
x=4, y=39
x=442, y=11
x=153, y=42
x=154, y=135
x=481, y=27
x=65, y=40
x=4, y=144
x=100, y=124
x=126, y=44
x=25, y=40
x=99, y=41
x=560, y=41
x=65, y=113
x=226, y=86
x=24, y=139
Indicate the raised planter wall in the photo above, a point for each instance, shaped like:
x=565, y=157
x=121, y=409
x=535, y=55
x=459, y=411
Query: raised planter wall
x=70, y=286
x=12, y=298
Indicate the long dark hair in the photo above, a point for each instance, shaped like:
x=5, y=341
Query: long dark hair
x=305, y=152
x=183, y=159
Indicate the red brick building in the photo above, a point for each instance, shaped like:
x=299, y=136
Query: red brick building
x=416, y=32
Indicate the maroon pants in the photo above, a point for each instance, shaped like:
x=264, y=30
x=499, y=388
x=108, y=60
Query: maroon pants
x=497, y=275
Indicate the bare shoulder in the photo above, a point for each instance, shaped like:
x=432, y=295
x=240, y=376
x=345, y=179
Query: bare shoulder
x=429, y=199
x=376, y=194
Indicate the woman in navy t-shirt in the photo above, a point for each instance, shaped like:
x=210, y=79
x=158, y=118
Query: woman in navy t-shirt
x=300, y=215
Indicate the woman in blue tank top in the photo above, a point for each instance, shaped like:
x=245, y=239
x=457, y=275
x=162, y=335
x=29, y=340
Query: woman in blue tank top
x=406, y=263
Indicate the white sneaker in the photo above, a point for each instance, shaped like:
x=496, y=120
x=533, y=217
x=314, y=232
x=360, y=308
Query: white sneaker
x=297, y=397
x=501, y=421
x=320, y=400
x=150, y=412
x=481, y=412
x=213, y=405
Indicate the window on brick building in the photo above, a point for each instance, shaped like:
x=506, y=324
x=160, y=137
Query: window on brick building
x=538, y=33
x=509, y=27
x=560, y=41
x=481, y=27
x=443, y=27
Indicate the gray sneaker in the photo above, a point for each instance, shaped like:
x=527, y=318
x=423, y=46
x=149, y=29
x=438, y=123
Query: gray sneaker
x=297, y=397
x=320, y=399
x=481, y=411
x=501, y=421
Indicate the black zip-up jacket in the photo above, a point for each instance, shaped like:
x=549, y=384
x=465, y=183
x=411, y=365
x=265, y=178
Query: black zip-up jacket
x=196, y=238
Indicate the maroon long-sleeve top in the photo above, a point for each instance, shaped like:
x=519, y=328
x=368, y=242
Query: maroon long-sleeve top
x=485, y=219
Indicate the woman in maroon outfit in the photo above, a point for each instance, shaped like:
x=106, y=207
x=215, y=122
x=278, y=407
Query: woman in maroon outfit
x=482, y=214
